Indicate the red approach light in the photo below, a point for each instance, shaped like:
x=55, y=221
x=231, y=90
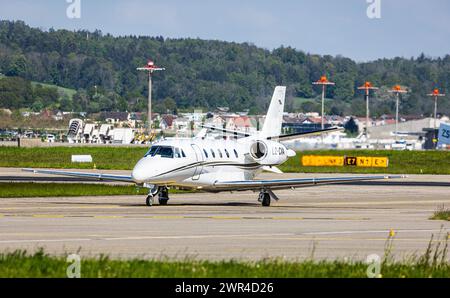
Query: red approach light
x=150, y=67
x=397, y=88
x=436, y=91
x=367, y=85
x=323, y=79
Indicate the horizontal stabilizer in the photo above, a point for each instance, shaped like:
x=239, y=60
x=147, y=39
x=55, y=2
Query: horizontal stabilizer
x=272, y=169
x=305, y=134
x=227, y=131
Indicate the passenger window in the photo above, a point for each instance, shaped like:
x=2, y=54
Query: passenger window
x=206, y=153
x=182, y=153
x=220, y=153
x=213, y=153
x=235, y=153
x=226, y=152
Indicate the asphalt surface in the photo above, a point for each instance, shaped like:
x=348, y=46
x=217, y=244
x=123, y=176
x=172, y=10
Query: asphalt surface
x=333, y=222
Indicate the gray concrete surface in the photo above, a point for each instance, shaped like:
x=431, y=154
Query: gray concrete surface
x=334, y=221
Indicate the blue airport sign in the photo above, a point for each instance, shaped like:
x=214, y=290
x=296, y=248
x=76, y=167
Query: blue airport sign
x=444, y=135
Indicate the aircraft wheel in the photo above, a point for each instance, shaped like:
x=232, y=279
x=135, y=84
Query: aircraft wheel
x=149, y=201
x=266, y=200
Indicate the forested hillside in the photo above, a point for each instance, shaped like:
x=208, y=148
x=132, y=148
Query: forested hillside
x=200, y=73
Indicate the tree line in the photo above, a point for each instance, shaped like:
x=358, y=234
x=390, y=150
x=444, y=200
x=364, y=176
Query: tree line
x=199, y=73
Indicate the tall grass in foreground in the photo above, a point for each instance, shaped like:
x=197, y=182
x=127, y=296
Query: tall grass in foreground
x=442, y=213
x=433, y=263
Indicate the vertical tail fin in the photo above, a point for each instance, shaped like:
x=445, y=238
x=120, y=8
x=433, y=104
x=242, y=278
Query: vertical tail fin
x=274, y=118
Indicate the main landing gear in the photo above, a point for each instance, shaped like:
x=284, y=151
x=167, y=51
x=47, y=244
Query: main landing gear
x=266, y=196
x=264, y=199
x=163, y=196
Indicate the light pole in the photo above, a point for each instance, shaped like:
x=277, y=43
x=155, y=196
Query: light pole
x=436, y=94
x=367, y=87
x=323, y=82
x=397, y=90
x=150, y=68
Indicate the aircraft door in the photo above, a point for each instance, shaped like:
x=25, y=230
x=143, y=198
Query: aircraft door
x=199, y=155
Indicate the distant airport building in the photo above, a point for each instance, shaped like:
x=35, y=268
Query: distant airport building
x=303, y=123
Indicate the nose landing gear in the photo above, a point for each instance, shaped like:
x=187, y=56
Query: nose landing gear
x=163, y=197
x=149, y=200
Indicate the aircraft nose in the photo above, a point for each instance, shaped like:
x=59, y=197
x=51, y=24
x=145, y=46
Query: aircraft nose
x=140, y=173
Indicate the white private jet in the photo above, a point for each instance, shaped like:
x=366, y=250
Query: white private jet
x=220, y=165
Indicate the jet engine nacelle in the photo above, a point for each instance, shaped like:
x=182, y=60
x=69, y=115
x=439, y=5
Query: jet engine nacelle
x=269, y=153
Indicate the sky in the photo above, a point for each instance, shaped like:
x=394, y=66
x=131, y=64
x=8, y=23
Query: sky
x=405, y=28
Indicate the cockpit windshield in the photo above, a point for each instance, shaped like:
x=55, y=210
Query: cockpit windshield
x=152, y=151
x=165, y=152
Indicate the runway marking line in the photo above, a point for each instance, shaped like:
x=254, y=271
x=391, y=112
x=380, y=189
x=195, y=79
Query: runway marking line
x=369, y=232
x=47, y=216
x=164, y=217
x=107, y=217
x=424, y=240
x=376, y=203
x=224, y=217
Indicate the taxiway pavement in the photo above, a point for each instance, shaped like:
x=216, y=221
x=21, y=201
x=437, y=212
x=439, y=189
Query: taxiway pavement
x=333, y=222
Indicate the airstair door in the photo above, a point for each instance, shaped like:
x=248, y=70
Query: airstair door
x=199, y=155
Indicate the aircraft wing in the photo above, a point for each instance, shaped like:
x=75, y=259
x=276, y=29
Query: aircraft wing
x=293, y=183
x=93, y=176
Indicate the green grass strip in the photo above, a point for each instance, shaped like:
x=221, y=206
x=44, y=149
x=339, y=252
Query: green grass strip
x=106, y=158
x=33, y=190
x=30, y=190
x=400, y=162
